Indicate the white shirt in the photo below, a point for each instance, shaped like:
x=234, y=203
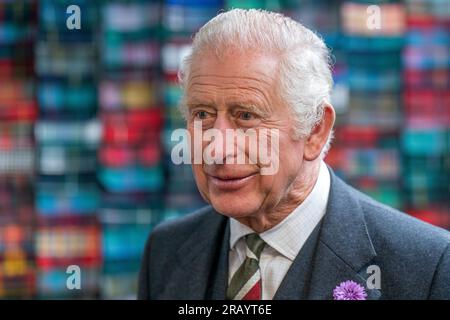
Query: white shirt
x=283, y=241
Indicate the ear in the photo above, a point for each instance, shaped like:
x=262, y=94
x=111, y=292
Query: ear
x=319, y=134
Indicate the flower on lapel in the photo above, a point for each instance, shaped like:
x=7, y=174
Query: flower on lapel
x=349, y=290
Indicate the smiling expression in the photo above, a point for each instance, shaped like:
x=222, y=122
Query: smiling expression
x=240, y=92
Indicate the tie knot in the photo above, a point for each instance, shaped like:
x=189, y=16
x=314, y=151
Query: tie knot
x=255, y=244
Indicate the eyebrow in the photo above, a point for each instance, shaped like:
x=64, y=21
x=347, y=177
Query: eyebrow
x=251, y=106
x=194, y=105
x=193, y=102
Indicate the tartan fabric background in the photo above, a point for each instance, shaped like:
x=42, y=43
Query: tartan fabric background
x=86, y=118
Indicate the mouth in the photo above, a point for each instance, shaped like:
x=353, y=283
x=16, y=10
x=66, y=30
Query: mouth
x=229, y=183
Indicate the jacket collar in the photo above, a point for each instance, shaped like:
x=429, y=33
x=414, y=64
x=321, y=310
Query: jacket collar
x=345, y=248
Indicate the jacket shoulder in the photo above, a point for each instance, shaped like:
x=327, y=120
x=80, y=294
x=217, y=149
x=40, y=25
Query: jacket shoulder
x=170, y=235
x=182, y=227
x=389, y=223
x=162, y=244
x=413, y=255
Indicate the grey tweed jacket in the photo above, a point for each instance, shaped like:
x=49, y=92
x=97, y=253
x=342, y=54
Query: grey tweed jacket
x=187, y=258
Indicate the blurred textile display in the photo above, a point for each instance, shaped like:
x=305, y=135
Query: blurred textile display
x=86, y=117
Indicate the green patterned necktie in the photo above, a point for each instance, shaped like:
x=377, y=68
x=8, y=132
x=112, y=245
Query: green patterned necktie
x=246, y=281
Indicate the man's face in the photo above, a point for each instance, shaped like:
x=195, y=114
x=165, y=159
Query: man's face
x=239, y=92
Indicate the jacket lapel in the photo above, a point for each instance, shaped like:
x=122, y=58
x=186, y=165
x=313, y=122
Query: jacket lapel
x=295, y=284
x=344, y=249
x=202, y=262
x=219, y=282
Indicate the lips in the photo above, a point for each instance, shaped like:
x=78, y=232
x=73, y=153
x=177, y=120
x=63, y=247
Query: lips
x=230, y=182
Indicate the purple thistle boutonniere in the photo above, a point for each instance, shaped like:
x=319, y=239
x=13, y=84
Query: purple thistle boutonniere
x=349, y=290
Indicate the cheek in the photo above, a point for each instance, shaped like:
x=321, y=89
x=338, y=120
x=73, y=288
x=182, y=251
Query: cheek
x=289, y=153
x=199, y=175
x=292, y=149
x=268, y=184
x=291, y=159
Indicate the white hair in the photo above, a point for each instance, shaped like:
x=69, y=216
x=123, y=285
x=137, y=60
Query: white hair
x=305, y=81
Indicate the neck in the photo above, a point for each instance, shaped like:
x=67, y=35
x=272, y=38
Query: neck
x=297, y=192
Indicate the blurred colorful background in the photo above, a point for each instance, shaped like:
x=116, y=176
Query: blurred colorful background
x=86, y=117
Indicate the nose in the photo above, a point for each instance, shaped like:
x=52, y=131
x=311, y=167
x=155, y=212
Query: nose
x=222, y=146
x=223, y=122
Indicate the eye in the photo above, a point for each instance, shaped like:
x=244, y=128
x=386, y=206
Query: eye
x=245, y=115
x=202, y=114
x=247, y=119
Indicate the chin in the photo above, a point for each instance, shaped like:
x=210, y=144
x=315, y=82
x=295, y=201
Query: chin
x=235, y=207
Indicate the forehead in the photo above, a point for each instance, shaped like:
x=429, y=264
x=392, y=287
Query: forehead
x=232, y=76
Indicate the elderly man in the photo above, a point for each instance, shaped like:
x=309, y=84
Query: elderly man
x=299, y=232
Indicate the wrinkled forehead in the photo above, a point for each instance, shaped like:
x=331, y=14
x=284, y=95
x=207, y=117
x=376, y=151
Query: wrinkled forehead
x=234, y=62
x=235, y=75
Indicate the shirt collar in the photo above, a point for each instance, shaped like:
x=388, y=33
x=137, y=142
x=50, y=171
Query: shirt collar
x=289, y=235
